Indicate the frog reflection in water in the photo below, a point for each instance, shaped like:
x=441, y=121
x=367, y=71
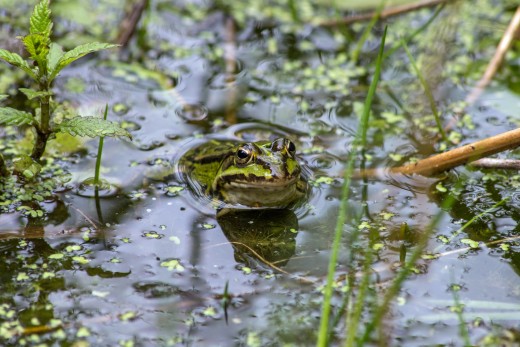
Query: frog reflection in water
x=256, y=174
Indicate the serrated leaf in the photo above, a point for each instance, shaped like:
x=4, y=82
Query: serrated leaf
x=3, y=96
x=77, y=53
x=92, y=127
x=40, y=22
x=11, y=116
x=16, y=60
x=55, y=53
x=31, y=93
x=37, y=46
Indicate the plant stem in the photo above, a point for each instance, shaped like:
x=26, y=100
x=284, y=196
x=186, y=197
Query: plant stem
x=42, y=134
x=100, y=152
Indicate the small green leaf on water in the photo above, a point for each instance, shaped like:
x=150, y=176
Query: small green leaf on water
x=128, y=316
x=324, y=180
x=22, y=276
x=73, y=248
x=471, y=243
x=35, y=321
x=429, y=256
x=56, y=256
x=377, y=246
x=363, y=225
x=504, y=247
x=208, y=226
x=443, y=239
x=81, y=259
x=441, y=188
x=173, y=264
x=386, y=215
x=115, y=260
x=173, y=190
x=83, y=332
x=175, y=240
x=209, y=311
x=59, y=334
x=294, y=231
x=126, y=240
x=395, y=156
x=246, y=270
x=47, y=275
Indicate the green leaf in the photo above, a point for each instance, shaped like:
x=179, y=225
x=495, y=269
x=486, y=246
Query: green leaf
x=31, y=93
x=55, y=53
x=38, y=47
x=41, y=19
x=92, y=127
x=11, y=116
x=77, y=53
x=16, y=60
x=3, y=96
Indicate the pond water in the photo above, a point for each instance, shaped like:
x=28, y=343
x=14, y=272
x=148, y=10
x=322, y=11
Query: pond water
x=147, y=263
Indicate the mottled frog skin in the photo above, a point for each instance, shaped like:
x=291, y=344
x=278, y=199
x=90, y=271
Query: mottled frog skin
x=260, y=174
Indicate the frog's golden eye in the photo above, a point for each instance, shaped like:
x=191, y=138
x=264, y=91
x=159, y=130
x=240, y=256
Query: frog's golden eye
x=243, y=155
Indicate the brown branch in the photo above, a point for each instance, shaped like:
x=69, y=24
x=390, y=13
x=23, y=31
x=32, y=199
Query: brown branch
x=505, y=44
x=129, y=23
x=392, y=11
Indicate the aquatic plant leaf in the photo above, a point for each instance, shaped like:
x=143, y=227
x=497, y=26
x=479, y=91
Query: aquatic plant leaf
x=16, y=60
x=38, y=47
x=11, y=116
x=31, y=93
x=77, y=53
x=92, y=127
x=40, y=22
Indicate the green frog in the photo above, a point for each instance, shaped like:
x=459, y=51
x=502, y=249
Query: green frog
x=260, y=174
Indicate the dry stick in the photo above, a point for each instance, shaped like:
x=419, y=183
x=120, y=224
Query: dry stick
x=462, y=155
x=393, y=11
x=129, y=23
x=505, y=43
x=491, y=163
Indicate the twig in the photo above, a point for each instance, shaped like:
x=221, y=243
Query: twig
x=393, y=11
x=491, y=163
x=462, y=155
x=86, y=217
x=129, y=23
x=505, y=43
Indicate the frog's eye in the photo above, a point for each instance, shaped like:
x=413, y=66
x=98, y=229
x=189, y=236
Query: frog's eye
x=243, y=155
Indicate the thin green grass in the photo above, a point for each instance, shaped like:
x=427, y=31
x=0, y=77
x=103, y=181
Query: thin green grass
x=427, y=90
x=463, y=329
x=359, y=142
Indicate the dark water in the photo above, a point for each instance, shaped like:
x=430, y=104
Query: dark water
x=148, y=264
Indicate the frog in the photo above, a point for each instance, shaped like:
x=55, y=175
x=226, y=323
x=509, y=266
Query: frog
x=262, y=174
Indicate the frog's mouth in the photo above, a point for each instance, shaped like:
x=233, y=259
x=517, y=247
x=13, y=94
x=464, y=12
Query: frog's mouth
x=277, y=193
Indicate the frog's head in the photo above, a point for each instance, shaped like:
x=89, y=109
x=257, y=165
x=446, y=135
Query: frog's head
x=260, y=174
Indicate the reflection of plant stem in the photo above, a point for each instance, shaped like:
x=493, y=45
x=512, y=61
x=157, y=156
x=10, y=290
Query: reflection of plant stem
x=427, y=90
x=463, y=329
x=367, y=30
x=231, y=67
x=3, y=167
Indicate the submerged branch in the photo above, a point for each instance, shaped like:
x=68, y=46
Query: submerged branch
x=389, y=12
x=505, y=44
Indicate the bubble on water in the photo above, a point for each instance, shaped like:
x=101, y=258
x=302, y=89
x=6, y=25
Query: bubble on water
x=88, y=187
x=192, y=112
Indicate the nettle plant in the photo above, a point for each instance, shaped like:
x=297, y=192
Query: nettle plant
x=46, y=60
